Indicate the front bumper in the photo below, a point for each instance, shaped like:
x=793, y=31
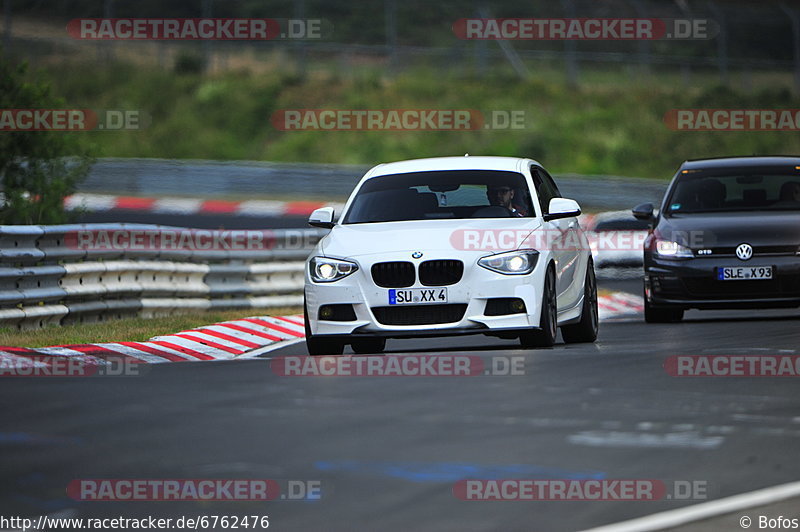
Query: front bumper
x=692, y=283
x=477, y=286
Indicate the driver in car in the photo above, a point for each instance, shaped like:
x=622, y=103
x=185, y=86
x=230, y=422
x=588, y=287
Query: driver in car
x=502, y=196
x=790, y=193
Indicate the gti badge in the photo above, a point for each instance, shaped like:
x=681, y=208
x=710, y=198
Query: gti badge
x=416, y=255
x=744, y=251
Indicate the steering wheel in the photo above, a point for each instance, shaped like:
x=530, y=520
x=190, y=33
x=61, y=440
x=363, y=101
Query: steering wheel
x=492, y=211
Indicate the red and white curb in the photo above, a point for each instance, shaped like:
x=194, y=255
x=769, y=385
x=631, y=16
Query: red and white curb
x=619, y=305
x=244, y=338
x=101, y=202
x=221, y=341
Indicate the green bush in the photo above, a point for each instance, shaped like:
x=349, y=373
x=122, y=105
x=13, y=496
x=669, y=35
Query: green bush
x=38, y=169
x=189, y=63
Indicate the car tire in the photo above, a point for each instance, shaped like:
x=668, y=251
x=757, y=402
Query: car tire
x=661, y=315
x=545, y=335
x=366, y=346
x=320, y=346
x=585, y=331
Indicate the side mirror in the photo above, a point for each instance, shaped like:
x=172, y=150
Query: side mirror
x=322, y=218
x=562, y=208
x=644, y=212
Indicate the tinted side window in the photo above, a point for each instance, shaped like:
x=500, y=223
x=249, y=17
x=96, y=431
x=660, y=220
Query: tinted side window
x=545, y=187
x=552, y=184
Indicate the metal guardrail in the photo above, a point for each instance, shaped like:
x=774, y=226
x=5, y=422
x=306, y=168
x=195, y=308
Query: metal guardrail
x=167, y=177
x=46, y=278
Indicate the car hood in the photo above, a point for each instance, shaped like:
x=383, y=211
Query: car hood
x=731, y=229
x=352, y=240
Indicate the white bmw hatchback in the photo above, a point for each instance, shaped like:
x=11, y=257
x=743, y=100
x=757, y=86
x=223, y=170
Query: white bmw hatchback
x=449, y=246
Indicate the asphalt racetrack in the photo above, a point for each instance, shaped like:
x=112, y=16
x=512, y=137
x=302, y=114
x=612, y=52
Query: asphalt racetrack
x=387, y=451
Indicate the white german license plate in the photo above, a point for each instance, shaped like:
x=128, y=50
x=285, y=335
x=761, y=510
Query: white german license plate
x=417, y=296
x=744, y=273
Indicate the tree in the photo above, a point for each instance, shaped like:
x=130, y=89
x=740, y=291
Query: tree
x=38, y=169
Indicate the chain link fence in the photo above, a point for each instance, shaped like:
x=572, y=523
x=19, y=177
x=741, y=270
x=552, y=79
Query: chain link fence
x=749, y=38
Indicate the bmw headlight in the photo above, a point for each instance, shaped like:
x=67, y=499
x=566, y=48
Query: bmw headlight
x=671, y=250
x=519, y=262
x=325, y=270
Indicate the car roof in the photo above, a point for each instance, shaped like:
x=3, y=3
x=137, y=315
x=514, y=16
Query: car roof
x=741, y=162
x=432, y=164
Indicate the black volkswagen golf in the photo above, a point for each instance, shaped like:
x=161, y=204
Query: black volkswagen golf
x=727, y=236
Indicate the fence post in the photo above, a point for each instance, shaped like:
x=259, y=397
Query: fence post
x=206, y=6
x=570, y=48
x=108, y=12
x=686, y=75
x=390, y=11
x=722, y=43
x=794, y=17
x=479, y=47
x=643, y=44
x=6, y=26
x=298, y=45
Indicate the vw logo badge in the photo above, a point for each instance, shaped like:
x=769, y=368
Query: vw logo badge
x=744, y=251
x=416, y=255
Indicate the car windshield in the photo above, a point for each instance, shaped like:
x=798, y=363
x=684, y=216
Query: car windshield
x=441, y=195
x=756, y=190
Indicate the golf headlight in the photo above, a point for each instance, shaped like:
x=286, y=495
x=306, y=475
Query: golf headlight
x=324, y=270
x=520, y=262
x=672, y=250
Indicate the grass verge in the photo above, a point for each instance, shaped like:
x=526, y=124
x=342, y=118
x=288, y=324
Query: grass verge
x=601, y=128
x=129, y=330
